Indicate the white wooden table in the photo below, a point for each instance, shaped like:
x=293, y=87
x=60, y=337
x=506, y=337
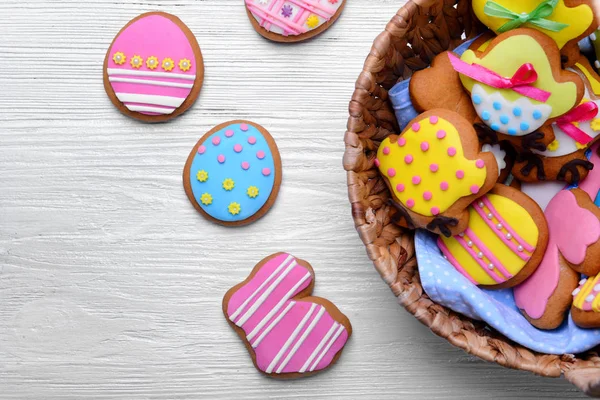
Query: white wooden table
x=111, y=283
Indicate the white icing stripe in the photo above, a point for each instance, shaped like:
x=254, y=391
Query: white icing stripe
x=301, y=340
x=272, y=325
x=337, y=335
x=290, y=340
x=130, y=72
x=264, y=296
x=167, y=101
x=158, y=110
x=277, y=307
x=262, y=285
x=149, y=82
x=319, y=347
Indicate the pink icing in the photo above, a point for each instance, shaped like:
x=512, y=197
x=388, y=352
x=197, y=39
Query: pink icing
x=416, y=127
x=266, y=171
x=451, y=151
x=229, y=133
x=237, y=148
x=377, y=163
x=460, y=174
x=245, y=165
x=400, y=187
x=252, y=140
x=216, y=140
x=221, y=158
x=444, y=186
x=442, y=246
x=281, y=279
x=260, y=154
x=201, y=149
x=434, y=167
x=479, y=163
x=435, y=210
x=571, y=230
x=244, y=127
x=391, y=172
x=410, y=203
x=474, y=189
x=416, y=180
x=153, y=35
x=401, y=142
x=427, y=195
x=441, y=134
x=433, y=119
x=408, y=159
x=424, y=146
x=386, y=150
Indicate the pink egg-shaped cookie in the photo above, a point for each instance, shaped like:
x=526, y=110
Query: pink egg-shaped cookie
x=293, y=20
x=153, y=70
x=287, y=332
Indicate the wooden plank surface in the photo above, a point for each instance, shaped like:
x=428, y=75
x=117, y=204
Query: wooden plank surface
x=111, y=283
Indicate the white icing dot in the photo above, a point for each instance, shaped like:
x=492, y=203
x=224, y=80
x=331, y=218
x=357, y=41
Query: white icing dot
x=583, y=281
x=491, y=266
x=593, y=37
x=490, y=216
x=480, y=255
x=597, y=288
x=520, y=248
x=445, y=258
x=508, y=236
x=152, y=62
x=499, y=226
x=470, y=243
x=590, y=298
x=461, y=234
x=481, y=204
x=597, y=64
x=576, y=292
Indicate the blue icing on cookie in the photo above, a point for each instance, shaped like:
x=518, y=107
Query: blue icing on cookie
x=477, y=99
x=524, y=126
x=537, y=114
x=495, y=126
x=517, y=112
x=497, y=106
x=512, y=131
x=486, y=115
x=504, y=119
x=222, y=158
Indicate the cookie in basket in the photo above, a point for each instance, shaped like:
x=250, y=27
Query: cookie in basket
x=564, y=159
x=153, y=70
x=233, y=174
x=293, y=20
x=586, y=303
x=434, y=170
x=504, y=242
x=287, y=332
x=564, y=21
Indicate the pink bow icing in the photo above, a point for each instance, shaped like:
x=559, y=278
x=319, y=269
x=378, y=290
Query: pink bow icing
x=581, y=113
x=521, y=82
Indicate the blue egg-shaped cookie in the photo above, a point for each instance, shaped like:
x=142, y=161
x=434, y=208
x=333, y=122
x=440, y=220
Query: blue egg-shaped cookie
x=233, y=174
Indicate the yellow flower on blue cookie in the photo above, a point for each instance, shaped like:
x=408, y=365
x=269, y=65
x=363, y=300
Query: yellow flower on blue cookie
x=552, y=17
x=252, y=192
x=206, y=199
x=202, y=175
x=234, y=208
x=228, y=184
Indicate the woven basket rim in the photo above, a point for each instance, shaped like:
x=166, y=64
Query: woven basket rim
x=392, y=250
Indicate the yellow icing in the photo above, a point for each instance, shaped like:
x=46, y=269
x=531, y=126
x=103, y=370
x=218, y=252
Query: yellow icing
x=484, y=46
x=578, y=18
x=202, y=176
x=595, y=124
x=593, y=82
x=521, y=222
x=228, y=184
x=234, y=208
x=553, y=146
x=508, y=56
x=420, y=166
x=206, y=199
x=585, y=291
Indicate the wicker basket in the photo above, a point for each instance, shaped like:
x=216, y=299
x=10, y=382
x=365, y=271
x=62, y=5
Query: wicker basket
x=420, y=30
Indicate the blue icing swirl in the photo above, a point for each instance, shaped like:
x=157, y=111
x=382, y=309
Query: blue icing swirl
x=232, y=169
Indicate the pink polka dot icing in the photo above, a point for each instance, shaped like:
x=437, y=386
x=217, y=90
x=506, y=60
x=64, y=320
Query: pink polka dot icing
x=401, y=142
x=201, y=149
x=266, y=171
x=444, y=186
x=216, y=141
x=260, y=155
x=479, y=163
x=451, y=151
x=391, y=172
x=386, y=150
x=424, y=146
x=400, y=188
x=408, y=159
x=433, y=119
x=377, y=163
x=229, y=133
x=474, y=189
x=427, y=195
x=410, y=203
x=237, y=148
x=416, y=179
x=460, y=174
x=245, y=165
x=441, y=134
x=435, y=210
x=221, y=158
x=416, y=127
x=244, y=127
x=252, y=140
x=434, y=167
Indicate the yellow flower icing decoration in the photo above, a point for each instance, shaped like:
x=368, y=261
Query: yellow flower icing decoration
x=234, y=208
x=312, y=21
x=119, y=58
x=168, y=64
x=206, y=199
x=136, y=61
x=152, y=62
x=595, y=124
x=252, y=192
x=578, y=19
x=185, y=65
x=553, y=146
x=202, y=176
x=228, y=184
x=504, y=60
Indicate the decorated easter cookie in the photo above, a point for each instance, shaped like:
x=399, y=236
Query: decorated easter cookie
x=505, y=240
x=233, y=174
x=564, y=21
x=153, y=70
x=434, y=170
x=516, y=93
x=586, y=303
x=595, y=38
x=287, y=332
x=292, y=20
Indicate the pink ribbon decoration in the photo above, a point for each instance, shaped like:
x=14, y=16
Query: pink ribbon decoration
x=581, y=113
x=521, y=82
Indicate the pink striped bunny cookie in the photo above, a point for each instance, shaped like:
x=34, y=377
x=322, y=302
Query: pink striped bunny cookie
x=292, y=20
x=153, y=70
x=287, y=332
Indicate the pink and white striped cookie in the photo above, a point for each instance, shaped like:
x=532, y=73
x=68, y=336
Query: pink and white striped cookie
x=287, y=332
x=292, y=20
x=153, y=70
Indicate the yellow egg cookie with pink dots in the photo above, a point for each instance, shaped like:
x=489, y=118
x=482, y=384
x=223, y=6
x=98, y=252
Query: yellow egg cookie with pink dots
x=434, y=170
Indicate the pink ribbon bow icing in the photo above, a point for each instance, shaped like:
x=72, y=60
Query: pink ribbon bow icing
x=581, y=113
x=521, y=82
